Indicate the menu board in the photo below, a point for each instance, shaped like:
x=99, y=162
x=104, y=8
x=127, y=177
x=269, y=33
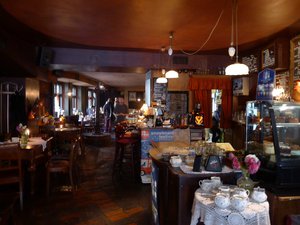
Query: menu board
x=252, y=62
x=159, y=92
x=295, y=58
x=177, y=102
x=265, y=84
x=268, y=57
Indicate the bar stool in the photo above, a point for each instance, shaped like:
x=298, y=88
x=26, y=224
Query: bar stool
x=126, y=148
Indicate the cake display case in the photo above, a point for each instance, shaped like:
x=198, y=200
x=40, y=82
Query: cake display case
x=273, y=134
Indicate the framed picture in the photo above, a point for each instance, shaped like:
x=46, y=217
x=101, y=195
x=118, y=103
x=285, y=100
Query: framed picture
x=132, y=96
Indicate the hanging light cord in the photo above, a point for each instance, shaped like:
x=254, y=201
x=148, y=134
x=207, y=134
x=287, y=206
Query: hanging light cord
x=208, y=38
x=236, y=32
x=232, y=24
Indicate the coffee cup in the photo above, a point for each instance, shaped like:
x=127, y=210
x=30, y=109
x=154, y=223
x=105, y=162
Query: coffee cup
x=259, y=195
x=222, y=200
x=224, y=188
x=206, y=185
x=239, y=202
x=241, y=191
x=216, y=182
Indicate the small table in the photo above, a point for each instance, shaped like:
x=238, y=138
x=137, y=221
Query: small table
x=205, y=209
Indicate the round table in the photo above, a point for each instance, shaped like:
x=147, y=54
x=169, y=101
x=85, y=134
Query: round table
x=205, y=209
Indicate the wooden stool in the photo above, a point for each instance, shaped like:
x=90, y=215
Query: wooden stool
x=126, y=148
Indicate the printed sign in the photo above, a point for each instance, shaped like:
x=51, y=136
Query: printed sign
x=148, y=135
x=265, y=84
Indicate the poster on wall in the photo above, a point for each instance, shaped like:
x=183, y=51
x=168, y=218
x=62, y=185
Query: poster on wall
x=268, y=57
x=282, y=81
x=295, y=59
x=265, y=84
x=252, y=62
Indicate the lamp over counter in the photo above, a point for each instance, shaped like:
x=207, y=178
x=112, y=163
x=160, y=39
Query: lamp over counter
x=235, y=68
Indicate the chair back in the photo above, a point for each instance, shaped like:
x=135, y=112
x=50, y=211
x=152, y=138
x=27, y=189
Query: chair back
x=74, y=151
x=11, y=167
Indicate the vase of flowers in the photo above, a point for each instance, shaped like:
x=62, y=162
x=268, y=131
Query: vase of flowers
x=24, y=134
x=250, y=165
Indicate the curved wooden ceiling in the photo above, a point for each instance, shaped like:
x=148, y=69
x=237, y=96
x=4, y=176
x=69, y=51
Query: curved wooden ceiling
x=145, y=25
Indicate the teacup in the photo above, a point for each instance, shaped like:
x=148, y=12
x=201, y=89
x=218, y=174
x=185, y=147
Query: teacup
x=239, y=202
x=224, y=189
x=206, y=185
x=216, y=182
x=259, y=195
x=222, y=200
x=175, y=160
x=241, y=191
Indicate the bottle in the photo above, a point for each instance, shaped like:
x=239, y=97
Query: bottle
x=198, y=116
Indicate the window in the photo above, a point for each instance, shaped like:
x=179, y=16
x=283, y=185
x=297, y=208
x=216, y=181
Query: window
x=74, y=98
x=91, y=98
x=58, y=99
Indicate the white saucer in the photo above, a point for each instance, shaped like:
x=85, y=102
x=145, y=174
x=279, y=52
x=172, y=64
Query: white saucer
x=235, y=219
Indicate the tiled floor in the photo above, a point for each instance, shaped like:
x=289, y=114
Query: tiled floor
x=100, y=200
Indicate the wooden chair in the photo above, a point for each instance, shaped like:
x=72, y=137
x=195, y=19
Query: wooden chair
x=11, y=167
x=126, y=148
x=64, y=166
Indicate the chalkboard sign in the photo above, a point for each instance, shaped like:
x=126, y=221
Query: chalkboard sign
x=177, y=102
x=268, y=57
x=295, y=59
x=159, y=92
x=252, y=62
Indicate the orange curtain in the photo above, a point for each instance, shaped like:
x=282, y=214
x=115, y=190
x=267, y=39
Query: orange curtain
x=201, y=87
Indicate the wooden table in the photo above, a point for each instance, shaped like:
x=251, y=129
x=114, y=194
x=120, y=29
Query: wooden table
x=33, y=155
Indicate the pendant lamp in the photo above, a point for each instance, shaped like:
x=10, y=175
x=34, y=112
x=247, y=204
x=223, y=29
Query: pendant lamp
x=162, y=79
x=171, y=73
x=235, y=68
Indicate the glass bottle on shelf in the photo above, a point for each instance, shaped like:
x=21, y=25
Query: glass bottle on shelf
x=198, y=116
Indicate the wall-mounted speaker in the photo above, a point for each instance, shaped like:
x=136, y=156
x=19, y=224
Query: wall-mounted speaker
x=45, y=56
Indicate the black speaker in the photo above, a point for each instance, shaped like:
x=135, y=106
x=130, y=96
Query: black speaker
x=45, y=56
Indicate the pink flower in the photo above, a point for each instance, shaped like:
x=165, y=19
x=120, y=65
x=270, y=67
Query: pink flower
x=253, y=168
x=231, y=156
x=236, y=164
x=251, y=163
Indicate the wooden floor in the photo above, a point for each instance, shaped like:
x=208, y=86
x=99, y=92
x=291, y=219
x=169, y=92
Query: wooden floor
x=100, y=200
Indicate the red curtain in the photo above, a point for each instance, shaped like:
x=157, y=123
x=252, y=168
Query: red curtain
x=201, y=88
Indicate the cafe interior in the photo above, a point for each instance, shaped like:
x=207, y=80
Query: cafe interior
x=210, y=129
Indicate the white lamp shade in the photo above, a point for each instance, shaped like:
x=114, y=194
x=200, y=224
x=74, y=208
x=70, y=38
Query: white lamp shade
x=237, y=69
x=172, y=74
x=161, y=80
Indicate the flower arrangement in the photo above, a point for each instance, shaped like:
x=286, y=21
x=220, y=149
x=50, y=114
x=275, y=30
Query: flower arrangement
x=250, y=165
x=22, y=129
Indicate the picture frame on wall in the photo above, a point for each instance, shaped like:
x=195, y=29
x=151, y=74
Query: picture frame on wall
x=132, y=96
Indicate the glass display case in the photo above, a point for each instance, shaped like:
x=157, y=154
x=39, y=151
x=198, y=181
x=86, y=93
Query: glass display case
x=273, y=134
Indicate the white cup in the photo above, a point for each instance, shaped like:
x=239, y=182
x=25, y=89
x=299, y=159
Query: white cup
x=222, y=200
x=241, y=191
x=206, y=185
x=259, y=195
x=216, y=182
x=239, y=202
x=224, y=188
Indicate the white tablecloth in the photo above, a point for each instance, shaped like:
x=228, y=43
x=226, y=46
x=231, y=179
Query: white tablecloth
x=37, y=141
x=205, y=209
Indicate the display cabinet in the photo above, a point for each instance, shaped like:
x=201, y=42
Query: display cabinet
x=273, y=134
